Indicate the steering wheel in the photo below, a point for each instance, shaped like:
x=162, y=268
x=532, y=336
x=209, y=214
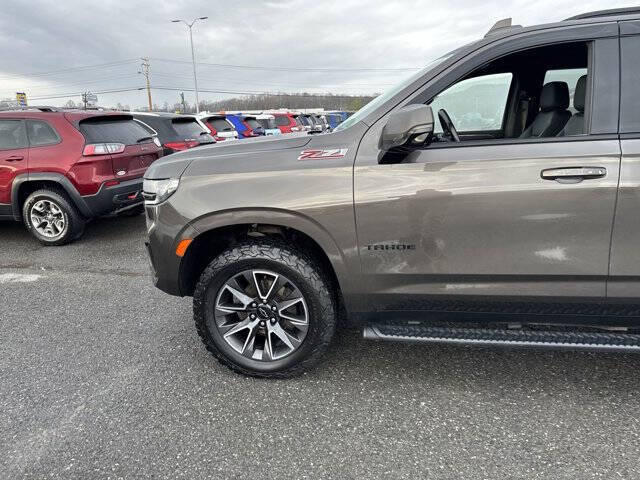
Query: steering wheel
x=447, y=125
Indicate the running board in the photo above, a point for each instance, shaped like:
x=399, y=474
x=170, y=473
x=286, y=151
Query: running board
x=506, y=337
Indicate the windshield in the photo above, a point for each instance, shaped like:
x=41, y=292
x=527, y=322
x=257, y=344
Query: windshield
x=379, y=100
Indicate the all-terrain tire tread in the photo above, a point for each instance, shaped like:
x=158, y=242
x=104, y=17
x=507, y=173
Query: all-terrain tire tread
x=278, y=251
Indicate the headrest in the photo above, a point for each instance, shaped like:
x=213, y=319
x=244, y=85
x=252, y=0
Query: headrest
x=580, y=94
x=554, y=96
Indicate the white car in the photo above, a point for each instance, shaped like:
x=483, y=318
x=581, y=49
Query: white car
x=268, y=122
x=221, y=128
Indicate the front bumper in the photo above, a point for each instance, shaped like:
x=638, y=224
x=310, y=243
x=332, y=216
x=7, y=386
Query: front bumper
x=123, y=196
x=165, y=229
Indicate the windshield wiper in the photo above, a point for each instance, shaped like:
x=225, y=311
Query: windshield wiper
x=144, y=139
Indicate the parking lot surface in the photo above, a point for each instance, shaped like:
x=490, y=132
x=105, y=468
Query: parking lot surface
x=103, y=376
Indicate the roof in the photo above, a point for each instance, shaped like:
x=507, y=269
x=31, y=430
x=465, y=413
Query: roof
x=611, y=12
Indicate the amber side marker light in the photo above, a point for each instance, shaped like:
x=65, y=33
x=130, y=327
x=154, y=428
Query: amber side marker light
x=181, y=249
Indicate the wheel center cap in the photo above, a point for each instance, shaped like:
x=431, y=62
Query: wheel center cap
x=264, y=312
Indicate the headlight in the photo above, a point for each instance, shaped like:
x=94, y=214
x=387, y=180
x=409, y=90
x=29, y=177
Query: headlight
x=157, y=191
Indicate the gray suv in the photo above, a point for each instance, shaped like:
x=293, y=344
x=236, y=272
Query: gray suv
x=492, y=198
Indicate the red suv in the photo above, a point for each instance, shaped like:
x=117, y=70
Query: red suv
x=59, y=169
x=286, y=122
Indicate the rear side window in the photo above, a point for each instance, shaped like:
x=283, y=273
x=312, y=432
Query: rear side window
x=220, y=124
x=282, y=120
x=41, y=133
x=187, y=128
x=570, y=76
x=109, y=130
x=630, y=98
x=12, y=134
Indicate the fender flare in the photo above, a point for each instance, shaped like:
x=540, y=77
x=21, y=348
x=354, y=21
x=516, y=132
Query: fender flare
x=58, y=178
x=281, y=218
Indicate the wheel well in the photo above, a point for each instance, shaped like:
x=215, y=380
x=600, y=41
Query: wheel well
x=27, y=188
x=209, y=245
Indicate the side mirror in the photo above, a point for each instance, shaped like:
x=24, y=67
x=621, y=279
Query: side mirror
x=410, y=126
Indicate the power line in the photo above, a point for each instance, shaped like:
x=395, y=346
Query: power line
x=71, y=69
x=293, y=69
x=79, y=94
x=229, y=80
x=60, y=85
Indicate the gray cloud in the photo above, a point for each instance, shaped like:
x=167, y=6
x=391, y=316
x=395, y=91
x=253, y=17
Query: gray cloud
x=43, y=36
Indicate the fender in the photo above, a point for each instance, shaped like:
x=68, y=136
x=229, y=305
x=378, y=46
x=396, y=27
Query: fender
x=284, y=218
x=58, y=178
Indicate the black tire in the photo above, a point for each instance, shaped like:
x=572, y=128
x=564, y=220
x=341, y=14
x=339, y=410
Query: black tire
x=74, y=222
x=132, y=212
x=279, y=257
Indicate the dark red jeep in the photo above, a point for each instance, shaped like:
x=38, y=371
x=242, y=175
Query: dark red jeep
x=60, y=168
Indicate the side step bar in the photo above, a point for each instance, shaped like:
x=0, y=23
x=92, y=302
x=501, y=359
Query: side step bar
x=522, y=338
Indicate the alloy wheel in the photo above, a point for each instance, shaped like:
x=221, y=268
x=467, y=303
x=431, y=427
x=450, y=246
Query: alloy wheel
x=261, y=314
x=48, y=218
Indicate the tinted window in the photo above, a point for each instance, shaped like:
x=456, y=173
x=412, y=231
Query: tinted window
x=475, y=104
x=220, y=124
x=12, y=134
x=570, y=76
x=187, y=128
x=109, y=130
x=630, y=104
x=282, y=120
x=252, y=122
x=41, y=133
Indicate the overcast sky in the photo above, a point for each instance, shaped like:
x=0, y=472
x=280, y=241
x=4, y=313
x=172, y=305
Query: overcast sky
x=39, y=38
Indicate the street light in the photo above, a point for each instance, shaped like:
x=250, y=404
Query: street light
x=193, y=56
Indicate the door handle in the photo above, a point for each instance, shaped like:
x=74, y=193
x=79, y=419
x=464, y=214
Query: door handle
x=573, y=174
x=14, y=158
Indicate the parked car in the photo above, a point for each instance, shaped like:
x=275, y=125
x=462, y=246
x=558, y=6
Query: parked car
x=246, y=125
x=305, y=122
x=221, y=128
x=175, y=132
x=286, y=122
x=59, y=169
x=333, y=119
x=268, y=122
x=315, y=125
x=521, y=231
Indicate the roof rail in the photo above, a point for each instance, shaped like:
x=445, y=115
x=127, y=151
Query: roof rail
x=605, y=13
x=501, y=26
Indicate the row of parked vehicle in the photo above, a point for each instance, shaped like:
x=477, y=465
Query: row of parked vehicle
x=60, y=168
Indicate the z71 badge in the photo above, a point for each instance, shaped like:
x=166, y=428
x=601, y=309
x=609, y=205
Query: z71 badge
x=322, y=154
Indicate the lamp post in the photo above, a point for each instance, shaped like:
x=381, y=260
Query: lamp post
x=193, y=56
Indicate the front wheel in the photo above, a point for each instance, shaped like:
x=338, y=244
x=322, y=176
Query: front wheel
x=265, y=309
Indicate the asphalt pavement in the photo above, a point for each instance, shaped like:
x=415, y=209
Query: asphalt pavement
x=103, y=376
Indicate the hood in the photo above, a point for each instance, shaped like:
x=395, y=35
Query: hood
x=174, y=165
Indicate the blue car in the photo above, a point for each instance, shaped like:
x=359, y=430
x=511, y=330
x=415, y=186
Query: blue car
x=246, y=125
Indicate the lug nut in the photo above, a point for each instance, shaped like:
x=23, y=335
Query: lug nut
x=252, y=316
x=273, y=320
x=262, y=323
x=254, y=305
x=273, y=308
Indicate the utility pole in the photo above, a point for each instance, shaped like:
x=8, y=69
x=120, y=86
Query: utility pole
x=145, y=71
x=184, y=105
x=193, y=55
